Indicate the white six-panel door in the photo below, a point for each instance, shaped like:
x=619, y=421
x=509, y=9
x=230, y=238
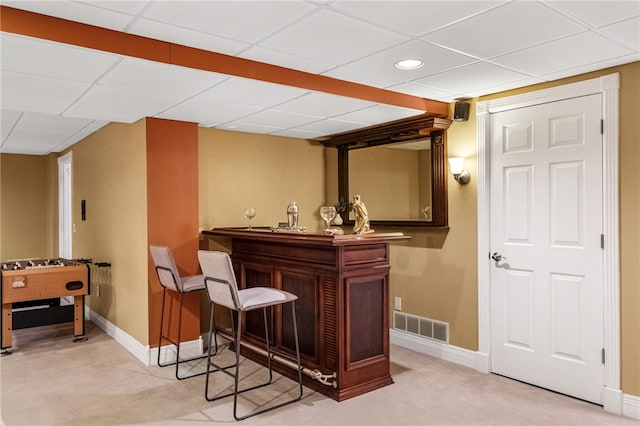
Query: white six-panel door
x=546, y=226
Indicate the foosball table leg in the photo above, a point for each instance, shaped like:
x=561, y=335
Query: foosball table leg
x=7, y=320
x=78, y=320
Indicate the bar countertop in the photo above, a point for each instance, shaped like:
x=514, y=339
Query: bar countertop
x=303, y=237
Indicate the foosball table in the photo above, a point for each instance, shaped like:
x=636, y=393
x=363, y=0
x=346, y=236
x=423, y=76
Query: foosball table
x=33, y=280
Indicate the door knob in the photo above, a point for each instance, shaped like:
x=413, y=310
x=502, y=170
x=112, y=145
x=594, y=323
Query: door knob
x=497, y=256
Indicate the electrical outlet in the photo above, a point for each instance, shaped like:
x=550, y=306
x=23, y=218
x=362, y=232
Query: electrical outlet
x=97, y=291
x=397, y=303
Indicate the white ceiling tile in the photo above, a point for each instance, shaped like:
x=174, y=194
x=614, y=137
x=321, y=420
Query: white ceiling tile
x=521, y=24
x=379, y=69
x=592, y=66
x=598, y=13
x=331, y=126
x=120, y=105
x=206, y=112
x=280, y=119
x=241, y=126
x=505, y=86
x=378, y=114
x=247, y=21
x=237, y=90
x=87, y=13
x=130, y=7
x=626, y=33
x=333, y=38
x=23, y=92
x=471, y=78
x=8, y=119
x=37, y=133
x=186, y=37
x=53, y=60
x=567, y=53
x=173, y=80
x=323, y=105
x=424, y=92
x=412, y=17
x=298, y=133
x=283, y=59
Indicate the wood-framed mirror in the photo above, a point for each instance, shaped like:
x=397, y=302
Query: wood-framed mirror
x=399, y=170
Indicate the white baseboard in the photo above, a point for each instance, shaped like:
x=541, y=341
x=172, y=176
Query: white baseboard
x=145, y=354
x=433, y=347
x=614, y=401
x=631, y=406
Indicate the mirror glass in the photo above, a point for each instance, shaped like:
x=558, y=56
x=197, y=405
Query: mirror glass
x=393, y=180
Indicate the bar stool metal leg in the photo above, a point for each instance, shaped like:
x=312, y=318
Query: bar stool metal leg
x=162, y=337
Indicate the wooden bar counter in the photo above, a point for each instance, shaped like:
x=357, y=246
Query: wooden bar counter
x=342, y=283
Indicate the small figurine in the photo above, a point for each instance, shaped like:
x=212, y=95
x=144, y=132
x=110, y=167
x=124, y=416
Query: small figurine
x=362, y=217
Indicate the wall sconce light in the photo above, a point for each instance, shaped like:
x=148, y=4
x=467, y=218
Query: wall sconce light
x=456, y=166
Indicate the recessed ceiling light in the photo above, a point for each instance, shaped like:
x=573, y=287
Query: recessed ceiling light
x=409, y=64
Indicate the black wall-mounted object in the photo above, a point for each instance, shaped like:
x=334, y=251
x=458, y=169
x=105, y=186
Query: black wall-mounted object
x=83, y=209
x=461, y=111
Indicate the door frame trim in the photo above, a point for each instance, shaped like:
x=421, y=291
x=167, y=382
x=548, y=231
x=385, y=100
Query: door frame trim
x=62, y=161
x=609, y=87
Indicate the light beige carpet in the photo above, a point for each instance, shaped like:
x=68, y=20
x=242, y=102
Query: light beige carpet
x=51, y=380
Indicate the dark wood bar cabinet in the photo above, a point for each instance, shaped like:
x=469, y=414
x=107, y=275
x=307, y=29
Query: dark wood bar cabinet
x=342, y=283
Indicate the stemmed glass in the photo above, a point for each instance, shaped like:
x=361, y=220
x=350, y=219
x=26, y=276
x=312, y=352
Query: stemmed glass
x=249, y=213
x=328, y=213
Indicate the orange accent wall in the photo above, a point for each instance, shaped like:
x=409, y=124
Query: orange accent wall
x=60, y=30
x=172, y=206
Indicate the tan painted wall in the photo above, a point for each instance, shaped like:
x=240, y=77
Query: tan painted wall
x=109, y=172
x=239, y=170
x=28, y=184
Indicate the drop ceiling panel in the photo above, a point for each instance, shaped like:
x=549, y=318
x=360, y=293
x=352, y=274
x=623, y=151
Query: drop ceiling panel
x=299, y=133
x=284, y=59
x=120, y=105
x=186, y=37
x=627, y=33
x=247, y=21
x=563, y=54
x=35, y=133
x=241, y=126
x=281, y=119
x=471, y=78
x=24, y=92
x=331, y=37
x=253, y=93
x=377, y=114
x=331, y=125
x=480, y=36
x=53, y=60
x=413, y=17
x=8, y=119
x=425, y=91
x=85, y=12
x=380, y=70
x=599, y=13
x=173, y=80
x=207, y=112
x=323, y=105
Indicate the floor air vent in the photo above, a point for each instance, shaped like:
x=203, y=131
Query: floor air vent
x=421, y=326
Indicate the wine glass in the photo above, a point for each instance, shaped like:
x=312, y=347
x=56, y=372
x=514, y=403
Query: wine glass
x=249, y=213
x=328, y=213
